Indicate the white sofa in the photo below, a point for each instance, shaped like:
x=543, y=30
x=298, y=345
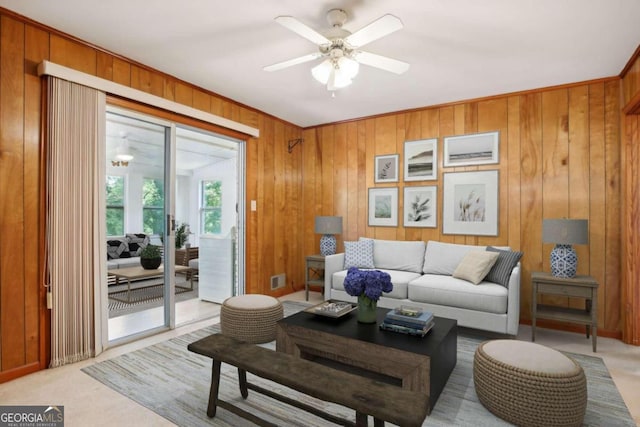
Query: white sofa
x=422, y=276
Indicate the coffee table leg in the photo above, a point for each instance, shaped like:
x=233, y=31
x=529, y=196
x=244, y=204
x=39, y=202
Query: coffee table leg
x=215, y=385
x=129, y=291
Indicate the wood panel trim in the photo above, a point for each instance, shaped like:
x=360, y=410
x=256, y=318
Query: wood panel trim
x=60, y=71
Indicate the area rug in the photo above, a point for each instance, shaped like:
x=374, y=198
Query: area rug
x=174, y=383
x=146, y=294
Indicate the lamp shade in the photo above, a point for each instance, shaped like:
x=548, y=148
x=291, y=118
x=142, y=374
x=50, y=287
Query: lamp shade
x=565, y=231
x=328, y=225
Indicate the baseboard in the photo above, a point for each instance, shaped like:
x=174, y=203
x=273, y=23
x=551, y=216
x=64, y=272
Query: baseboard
x=579, y=329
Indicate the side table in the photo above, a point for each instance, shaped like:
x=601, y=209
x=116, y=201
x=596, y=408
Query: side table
x=579, y=287
x=313, y=273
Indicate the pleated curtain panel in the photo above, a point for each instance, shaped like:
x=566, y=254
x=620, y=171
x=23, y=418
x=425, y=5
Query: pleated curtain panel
x=75, y=225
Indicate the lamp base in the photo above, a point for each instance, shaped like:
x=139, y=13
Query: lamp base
x=564, y=261
x=327, y=244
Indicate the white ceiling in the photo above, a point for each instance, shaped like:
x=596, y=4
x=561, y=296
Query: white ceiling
x=458, y=49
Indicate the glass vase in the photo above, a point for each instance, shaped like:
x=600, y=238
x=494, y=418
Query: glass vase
x=367, y=311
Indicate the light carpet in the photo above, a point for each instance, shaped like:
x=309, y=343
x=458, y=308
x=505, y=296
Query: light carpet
x=174, y=383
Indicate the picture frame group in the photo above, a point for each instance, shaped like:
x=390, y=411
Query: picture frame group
x=469, y=201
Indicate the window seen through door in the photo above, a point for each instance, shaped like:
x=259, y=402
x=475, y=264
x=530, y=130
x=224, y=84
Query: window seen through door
x=115, y=205
x=153, y=206
x=211, y=207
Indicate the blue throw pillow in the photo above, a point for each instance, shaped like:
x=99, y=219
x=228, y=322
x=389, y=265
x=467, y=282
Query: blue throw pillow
x=358, y=254
x=501, y=270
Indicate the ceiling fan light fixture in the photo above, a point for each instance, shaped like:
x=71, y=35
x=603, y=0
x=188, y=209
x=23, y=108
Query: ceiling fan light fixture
x=348, y=67
x=322, y=71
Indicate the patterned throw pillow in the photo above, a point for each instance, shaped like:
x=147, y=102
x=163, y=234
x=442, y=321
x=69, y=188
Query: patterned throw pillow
x=137, y=242
x=115, y=249
x=501, y=270
x=358, y=254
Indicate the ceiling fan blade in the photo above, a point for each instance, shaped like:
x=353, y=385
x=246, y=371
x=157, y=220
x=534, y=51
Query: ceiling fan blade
x=379, y=28
x=294, y=61
x=382, y=62
x=302, y=30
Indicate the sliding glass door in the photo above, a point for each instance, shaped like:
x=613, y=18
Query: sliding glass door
x=139, y=212
x=178, y=188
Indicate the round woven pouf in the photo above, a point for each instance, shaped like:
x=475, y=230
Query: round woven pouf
x=251, y=318
x=529, y=384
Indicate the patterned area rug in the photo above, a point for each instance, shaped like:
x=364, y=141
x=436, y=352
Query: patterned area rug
x=174, y=383
x=146, y=294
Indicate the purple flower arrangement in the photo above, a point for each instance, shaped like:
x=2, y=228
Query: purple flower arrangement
x=371, y=283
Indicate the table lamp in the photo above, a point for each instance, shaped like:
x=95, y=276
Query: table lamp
x=328, y=226
x=564, y=233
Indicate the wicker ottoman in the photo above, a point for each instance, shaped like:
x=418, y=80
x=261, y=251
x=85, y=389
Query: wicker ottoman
x=529, y=384
x=251, y=318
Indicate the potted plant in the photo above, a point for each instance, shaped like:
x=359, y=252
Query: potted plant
x=150, y=257
x=182, y=235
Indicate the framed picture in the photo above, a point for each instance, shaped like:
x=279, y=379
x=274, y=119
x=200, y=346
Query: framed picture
x=386, y=168
x=421, y=160
x=470, y=202
x=420, y=206
x=383, y=207
x=476, y=149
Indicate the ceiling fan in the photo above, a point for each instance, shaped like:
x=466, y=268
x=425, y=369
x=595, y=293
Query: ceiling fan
x=341, y=48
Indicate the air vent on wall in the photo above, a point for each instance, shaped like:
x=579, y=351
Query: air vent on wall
x=278, y=281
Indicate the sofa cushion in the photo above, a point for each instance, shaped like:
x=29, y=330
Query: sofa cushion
x=128, y=262
x=116, y=247
x=358, y=254
x=443, y=258
x=506, y=262
x=449, y=291
x=399, y=279
x=398, y=255
x=137, y=242
x=475, y=265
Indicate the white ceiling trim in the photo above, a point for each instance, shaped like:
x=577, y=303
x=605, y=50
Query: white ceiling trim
x=56, y=70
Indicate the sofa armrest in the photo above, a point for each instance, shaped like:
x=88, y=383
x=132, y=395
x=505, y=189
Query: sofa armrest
x=513, y=304
x=332, y=264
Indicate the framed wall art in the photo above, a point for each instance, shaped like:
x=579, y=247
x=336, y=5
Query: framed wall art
x=470, y=203
x=475, y=149
x=421, y=160
x=383, y=207
x=386, y=168
x=420, y=206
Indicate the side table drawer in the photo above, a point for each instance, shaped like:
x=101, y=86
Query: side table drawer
x=569, y=291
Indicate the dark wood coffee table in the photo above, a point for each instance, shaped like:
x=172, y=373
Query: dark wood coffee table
x=419, y=364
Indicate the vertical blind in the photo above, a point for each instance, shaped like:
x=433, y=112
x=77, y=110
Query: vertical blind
x=75, y=198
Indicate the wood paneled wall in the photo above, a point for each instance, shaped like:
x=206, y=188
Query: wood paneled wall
x=559, y=157
x=273, y=179
x=630, y=302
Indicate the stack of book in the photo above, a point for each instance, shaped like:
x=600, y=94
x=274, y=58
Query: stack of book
x=408, y=320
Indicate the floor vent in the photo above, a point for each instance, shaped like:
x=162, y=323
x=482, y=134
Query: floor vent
x=278, y=281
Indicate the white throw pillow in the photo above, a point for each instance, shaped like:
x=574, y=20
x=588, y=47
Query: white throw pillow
x=475, y=265
x=443, y=258
x=358, y=254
